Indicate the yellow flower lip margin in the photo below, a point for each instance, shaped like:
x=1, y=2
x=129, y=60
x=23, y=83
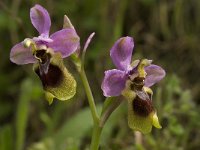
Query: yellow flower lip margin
x=143, y=124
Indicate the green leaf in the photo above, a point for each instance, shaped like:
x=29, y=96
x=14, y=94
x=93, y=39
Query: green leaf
x=22, y=112
x=75, y=128
x=6, y=138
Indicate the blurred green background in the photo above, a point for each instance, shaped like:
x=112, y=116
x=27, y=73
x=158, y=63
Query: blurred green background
x=166, y=31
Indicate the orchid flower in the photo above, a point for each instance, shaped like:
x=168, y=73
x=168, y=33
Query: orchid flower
x=133, y=81
x=46, y=52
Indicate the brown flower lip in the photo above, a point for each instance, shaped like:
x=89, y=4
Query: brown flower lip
x=142, y=103
x=50, y=75
x=52, y=78
x=142, y=107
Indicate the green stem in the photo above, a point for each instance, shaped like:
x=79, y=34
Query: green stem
x=96, y=128
x=96, y=137
x=90, y=97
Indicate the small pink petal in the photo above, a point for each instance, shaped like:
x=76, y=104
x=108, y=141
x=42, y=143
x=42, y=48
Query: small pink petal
x=65, y=41
x=113, y=82
x=154, y=74
x=121, y=52
x=21, y=55
x=40, y=19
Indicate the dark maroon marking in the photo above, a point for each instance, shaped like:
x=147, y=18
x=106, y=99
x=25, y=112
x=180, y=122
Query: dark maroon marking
x=52, y=78
x=139, y=80
x=142, y=107
x=138, y=83
x=43, y=55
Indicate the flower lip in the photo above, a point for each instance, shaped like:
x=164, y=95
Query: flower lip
x=48, y=78
x=142, y=107
x=57, y=81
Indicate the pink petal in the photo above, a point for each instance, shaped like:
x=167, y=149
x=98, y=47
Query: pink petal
x=121, y=52
x=65, y=41
x=154, y=74
x=40, y=19
x=21, y=55
x=113, y=82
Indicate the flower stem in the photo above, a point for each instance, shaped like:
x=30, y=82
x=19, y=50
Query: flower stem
x=90, y=97
x=96, y=137
x=96, y=128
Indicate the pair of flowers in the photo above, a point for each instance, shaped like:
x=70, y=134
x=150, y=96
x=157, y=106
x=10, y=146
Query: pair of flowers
x=132, y=80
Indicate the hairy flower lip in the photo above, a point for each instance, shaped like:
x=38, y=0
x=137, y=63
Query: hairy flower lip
x=48, y=78
x=142, y=107
x=142, y=103
x=57, y=82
